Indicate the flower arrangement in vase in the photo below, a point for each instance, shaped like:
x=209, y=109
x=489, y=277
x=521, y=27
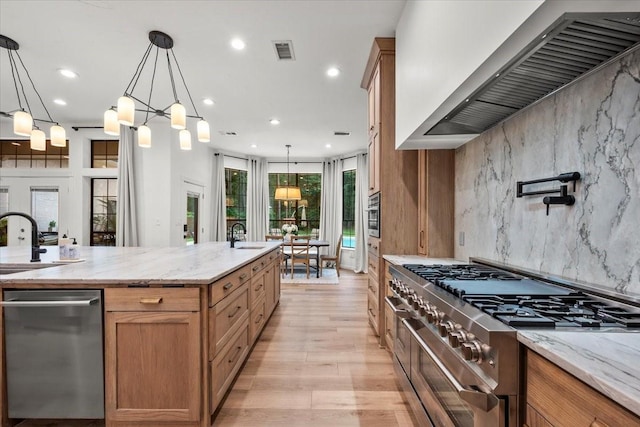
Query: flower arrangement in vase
x=289, y=230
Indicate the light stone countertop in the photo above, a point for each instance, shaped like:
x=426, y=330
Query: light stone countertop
x=417, y=259
x=191, y=265
x=607, y=361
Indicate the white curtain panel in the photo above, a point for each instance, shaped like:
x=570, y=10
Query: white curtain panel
x=218, y=199
x=126, y=218
x=257, y=199
x=331, y=206
x=362, y=202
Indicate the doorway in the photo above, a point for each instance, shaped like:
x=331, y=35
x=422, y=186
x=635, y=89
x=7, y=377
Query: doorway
x=193, y=231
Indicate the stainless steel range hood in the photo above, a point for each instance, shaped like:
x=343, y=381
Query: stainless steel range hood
x=574, y=46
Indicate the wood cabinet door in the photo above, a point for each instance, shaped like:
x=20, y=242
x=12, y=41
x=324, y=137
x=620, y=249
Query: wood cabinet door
x=269, y=289
x=152, y=362
x=374, y=164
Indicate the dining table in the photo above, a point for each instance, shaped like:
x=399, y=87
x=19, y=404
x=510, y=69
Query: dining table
x=315, y=243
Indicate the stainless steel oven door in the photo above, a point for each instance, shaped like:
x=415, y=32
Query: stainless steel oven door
x=449, y=402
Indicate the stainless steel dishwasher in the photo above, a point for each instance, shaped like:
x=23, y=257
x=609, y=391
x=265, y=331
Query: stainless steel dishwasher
x=54, y=353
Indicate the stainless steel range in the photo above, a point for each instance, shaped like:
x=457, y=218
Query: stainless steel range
x=455, y=344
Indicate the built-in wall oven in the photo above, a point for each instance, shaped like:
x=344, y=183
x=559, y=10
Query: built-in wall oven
x=374, y=215
x=456, y=349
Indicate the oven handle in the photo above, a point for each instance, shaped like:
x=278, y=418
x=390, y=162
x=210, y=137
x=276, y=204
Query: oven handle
x=476, y=398
x=398, y=312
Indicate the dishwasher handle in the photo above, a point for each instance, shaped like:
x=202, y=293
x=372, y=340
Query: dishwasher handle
x=50, y=303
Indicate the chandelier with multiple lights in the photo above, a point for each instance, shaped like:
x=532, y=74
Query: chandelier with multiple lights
x=124, y=113
x=288, y=192
x=24, y=122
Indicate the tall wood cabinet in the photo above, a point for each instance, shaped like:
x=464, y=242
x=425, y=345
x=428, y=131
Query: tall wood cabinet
x=393, y=174
x=436, y=203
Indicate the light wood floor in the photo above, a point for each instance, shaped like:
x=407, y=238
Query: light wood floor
x=317, y=363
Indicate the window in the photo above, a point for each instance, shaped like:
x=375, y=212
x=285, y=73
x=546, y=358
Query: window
x=104, y=198
x=306, y=212
x=348, y=209
x=236, y=195
x=18, y=154
x=104, y=154
x=44, y=210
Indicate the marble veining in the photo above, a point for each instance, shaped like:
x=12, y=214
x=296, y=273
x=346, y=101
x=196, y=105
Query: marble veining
x=196, y=264
x=607, y=361
x=592, y=127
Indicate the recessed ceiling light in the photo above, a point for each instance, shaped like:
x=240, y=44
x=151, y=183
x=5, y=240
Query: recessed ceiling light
x=238, y=44
x=68, y=73
x=208, y=101
x=333, y=72
x=60, y=101
x=328, y=145
x=254, y=146
x=274, y=121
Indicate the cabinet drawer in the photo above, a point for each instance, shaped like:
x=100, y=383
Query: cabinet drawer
x=256, y=290
x=372, y=312
x=229, y=283
x=272, y=256
x=374, y=266
x=373, y=245
x=226, y=317
x=152, y=299
x=373, y=288
x=258, y=265
x=257, y=319
x=227, y=363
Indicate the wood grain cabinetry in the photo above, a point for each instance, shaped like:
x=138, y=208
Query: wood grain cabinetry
x=555, y=398
x=436, y=203
x=392, y=173
x=152, y=356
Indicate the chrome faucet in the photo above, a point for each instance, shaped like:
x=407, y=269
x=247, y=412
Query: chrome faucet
x=35, y=242
x=233, y=237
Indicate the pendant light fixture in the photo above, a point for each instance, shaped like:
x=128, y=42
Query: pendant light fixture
x=124, y=112
x=288, y=192
x=24, y=122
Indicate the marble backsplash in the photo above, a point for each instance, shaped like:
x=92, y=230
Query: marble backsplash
x=592, y=127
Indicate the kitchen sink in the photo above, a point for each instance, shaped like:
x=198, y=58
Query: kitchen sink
x=249, y=247
x=19, y=268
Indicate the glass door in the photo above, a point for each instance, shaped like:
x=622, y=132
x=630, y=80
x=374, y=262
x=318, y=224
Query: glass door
x=191, y=226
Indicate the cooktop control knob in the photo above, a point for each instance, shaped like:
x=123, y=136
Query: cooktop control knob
x=472, y=351
x=416, y=302
x=456, y=338
x=434, y=315
x=423, y=308
x=447, y=327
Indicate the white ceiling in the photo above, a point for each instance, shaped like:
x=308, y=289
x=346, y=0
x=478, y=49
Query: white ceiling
x=103, y=41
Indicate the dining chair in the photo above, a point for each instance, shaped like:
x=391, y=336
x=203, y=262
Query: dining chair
x=335, y=258
x=284, y=262
x=299, y=249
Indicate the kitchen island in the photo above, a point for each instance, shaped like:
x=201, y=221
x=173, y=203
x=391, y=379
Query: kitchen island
x=178, y=322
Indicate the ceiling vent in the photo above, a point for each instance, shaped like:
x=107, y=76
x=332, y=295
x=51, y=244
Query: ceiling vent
x=227, y=133
x=341, y=133
x=284, y=50
x=577, y=45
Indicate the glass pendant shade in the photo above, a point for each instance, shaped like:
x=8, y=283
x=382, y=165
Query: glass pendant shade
x=58, y=136
x=38, y=140
x=178, y=116
x=22, y=123
x=144, y=136
x=203, y=131
x=126, y=111
x=185, y=140
x=288, y=193
x=111, y=124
